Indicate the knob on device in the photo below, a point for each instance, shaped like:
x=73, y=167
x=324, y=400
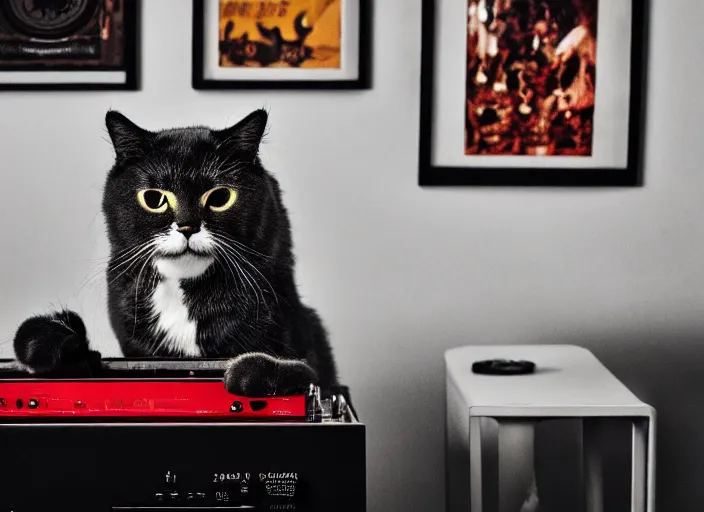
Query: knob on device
x=503, y=367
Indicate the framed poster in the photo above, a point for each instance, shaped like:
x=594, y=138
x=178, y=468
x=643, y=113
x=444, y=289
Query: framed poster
x=68, y=45
x=532, y=92
x=281, y=44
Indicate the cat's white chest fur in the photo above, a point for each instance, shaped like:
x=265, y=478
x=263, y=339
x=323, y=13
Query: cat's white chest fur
x=169, y=308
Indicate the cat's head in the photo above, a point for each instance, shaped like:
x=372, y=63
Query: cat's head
x=186, y=197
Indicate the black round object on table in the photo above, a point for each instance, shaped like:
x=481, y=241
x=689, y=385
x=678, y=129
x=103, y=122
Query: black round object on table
x=503, y=367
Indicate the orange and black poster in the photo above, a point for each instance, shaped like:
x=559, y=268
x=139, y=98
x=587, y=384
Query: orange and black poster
x=280, y=33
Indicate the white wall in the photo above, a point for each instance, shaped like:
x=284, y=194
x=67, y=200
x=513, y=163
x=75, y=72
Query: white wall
x=400, y=274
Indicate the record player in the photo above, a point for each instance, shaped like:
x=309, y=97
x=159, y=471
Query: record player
x=165, y=435
x=63, y=34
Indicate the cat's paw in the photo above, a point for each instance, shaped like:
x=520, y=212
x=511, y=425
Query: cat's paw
x=259, y=375
x=55, y=343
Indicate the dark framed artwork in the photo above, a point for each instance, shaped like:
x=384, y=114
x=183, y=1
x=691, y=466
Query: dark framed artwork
x=281, y=44
x=532, y=92
x=68, y=45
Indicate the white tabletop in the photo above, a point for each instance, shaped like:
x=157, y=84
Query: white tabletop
x=568, y=380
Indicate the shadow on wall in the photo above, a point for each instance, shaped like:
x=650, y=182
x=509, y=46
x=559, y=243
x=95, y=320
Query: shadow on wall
x=665, y=370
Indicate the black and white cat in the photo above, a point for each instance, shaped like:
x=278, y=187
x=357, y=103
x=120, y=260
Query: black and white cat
x=201, y=264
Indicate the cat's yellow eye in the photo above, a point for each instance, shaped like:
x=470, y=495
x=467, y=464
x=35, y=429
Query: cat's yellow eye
x=156, y=201
x=219, y=199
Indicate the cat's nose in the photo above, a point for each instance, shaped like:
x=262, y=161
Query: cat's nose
x=187, y=229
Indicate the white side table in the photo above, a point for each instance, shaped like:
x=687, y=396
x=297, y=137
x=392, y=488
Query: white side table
x=569, y=382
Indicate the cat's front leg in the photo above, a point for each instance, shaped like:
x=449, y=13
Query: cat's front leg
x=55, y=344
x=258, y=375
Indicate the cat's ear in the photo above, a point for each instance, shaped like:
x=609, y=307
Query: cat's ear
x=128, y=139
x=246, y=136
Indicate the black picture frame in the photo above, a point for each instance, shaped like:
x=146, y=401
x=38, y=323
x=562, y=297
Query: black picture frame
x=361, y=82
x=130, y=67
x=430, y=175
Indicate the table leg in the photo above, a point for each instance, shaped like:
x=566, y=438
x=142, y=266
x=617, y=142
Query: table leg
x=516, y=462
x=639, y=483
x=592, y=449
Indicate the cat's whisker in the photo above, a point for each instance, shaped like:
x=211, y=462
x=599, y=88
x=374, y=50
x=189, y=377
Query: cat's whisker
x=101, y=267
x=251, y=279
x=120, y=258
x=156, y=342
x=258, y=292
x=230, y=250
x=90, y=279
x=127, y=251
x=134, y=260
x=238, y=243
x=219, y=257
x=252, y=282
x=243, y=259
x=136, y=293
x=98, y=270
x=233, y=271
x=101, y=260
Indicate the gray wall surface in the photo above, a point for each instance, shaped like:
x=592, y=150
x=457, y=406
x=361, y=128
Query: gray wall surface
x=401, y=274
